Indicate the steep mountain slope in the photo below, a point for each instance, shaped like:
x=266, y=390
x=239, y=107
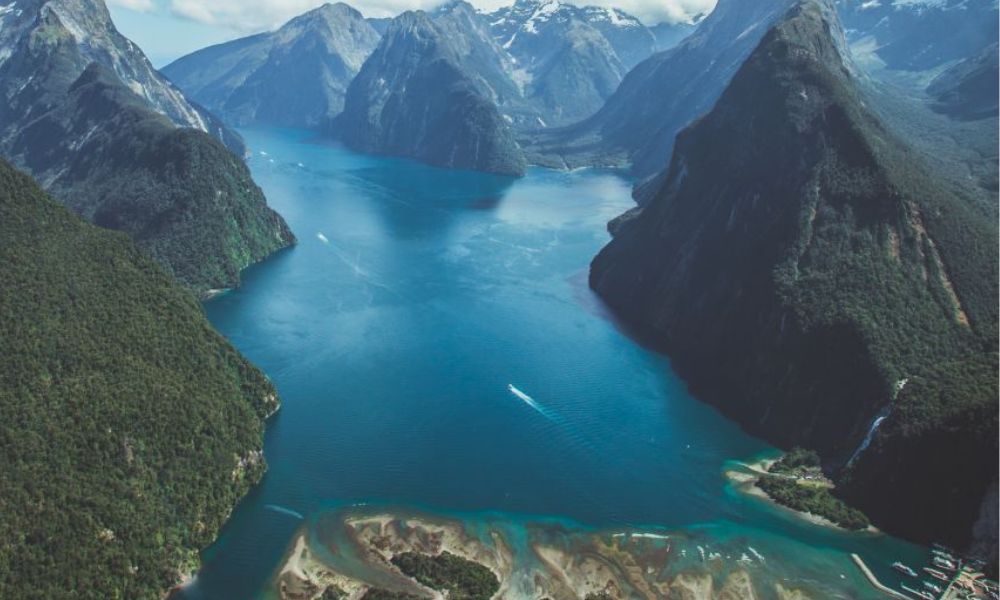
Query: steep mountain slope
x=295, y=77
x=431, y=91
x=130, y=429
x=638, y=123
x=917, y=35
x=809, y=276
x=632, y=41
x=968, y=90
x=482, y=58
x=89, y=24
x=669, y=35
x=102, y=148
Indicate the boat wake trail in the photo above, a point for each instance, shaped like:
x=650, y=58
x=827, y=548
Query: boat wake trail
x=529, y=401
x=284, y=511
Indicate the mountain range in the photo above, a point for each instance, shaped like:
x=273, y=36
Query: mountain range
x=572, y=58
x=810, y=276
x=547, y=63
x=293, y=77
x=83, y=111
x=637, y=125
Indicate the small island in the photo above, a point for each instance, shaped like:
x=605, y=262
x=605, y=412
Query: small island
x=796, y=481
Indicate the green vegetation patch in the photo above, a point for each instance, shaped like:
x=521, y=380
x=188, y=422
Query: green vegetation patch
x=463, y=579
x=798, y=462
x=813, y=499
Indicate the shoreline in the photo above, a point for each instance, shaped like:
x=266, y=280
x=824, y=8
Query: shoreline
x=549, y=563
x=746, y=483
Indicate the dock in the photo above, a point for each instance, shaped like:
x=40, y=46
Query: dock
x=874, y=580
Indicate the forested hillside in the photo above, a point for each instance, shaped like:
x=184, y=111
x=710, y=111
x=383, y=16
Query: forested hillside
x=129, y=427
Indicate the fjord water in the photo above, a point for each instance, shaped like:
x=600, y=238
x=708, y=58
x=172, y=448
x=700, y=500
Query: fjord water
x=414, y=298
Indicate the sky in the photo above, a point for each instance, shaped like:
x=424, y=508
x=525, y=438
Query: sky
x=169, y=29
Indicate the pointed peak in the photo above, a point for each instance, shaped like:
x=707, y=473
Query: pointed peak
x=454, y=5
x=329, y=12
x=411, y=19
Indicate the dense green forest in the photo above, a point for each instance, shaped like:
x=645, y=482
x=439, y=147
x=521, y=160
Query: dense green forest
x=813, y=499
x=461, y=578
x=797, y=461
x=129, y=427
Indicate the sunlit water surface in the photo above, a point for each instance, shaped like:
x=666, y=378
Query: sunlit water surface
x=414, y=298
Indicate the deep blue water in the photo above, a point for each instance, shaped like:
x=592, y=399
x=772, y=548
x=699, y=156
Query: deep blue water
x=414, y=298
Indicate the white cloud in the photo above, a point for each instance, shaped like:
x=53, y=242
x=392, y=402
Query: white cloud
x=136, y=5
x=259, y=15
x=657, y=11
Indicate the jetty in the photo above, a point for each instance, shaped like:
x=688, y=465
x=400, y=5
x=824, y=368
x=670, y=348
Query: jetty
x=874, y=580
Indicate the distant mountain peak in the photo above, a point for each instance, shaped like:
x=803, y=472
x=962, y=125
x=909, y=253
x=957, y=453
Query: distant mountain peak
x=432, y=91
x=455, y=5
x=614, y=16
x=295, y=76
x=331, y=11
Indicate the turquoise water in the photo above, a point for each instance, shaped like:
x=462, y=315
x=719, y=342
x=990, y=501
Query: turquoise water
x=415, y=297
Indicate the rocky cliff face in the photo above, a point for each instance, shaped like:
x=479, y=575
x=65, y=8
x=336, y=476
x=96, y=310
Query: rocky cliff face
x=111, y=148
x=808, y=276
x=294, y=77
x=431, y=91
x=663, y=94
x=88, y=24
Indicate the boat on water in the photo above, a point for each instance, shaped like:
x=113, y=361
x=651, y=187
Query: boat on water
x=944, y=563
x=936, y=574
x=905, y=570
x=917, y=593
x=943, y=554
x=933, y=587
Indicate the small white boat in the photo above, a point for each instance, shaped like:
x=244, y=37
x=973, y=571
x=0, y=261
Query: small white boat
x=917, y=593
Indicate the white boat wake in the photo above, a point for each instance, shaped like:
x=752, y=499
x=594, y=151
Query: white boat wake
x=528, y=400
x=284, y=511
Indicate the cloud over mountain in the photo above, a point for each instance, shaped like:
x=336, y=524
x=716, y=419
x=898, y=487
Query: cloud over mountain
x=258, y=15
